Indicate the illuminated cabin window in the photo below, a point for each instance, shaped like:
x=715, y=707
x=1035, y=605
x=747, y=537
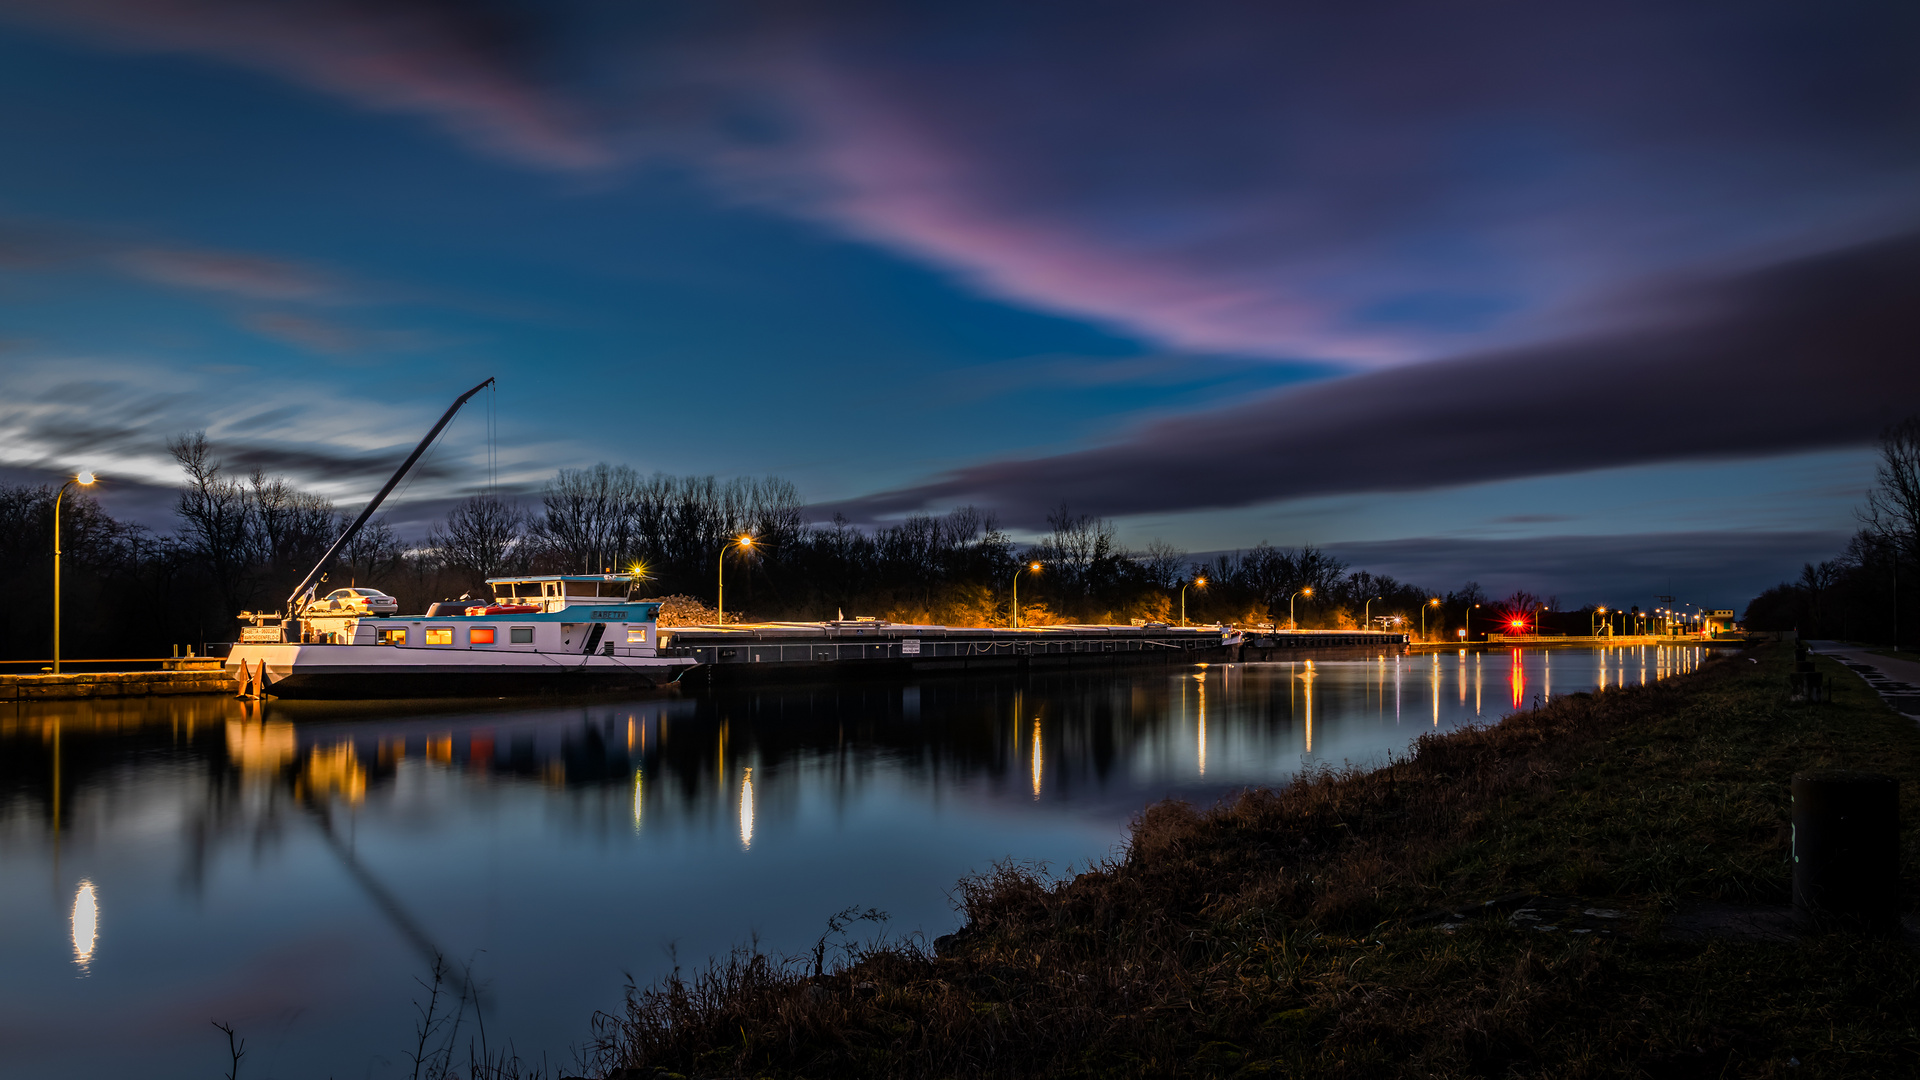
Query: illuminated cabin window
x=439, y=635
x=393, y=635
x=480, y=635
x=636, y=634
x=521, y=635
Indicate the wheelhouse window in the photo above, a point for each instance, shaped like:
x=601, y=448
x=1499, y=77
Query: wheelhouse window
x=480, y=635
x=395, y=635
x=439, y=635
x=636, y=634
x=521, y=635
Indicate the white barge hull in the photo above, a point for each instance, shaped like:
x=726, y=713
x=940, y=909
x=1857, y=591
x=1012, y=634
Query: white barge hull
x=386, y=671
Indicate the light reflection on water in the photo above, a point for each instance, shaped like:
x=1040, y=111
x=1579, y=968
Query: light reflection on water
x=290, y=867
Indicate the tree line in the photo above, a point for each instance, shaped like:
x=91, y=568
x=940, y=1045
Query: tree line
x=243, y=541
x=1865, y=592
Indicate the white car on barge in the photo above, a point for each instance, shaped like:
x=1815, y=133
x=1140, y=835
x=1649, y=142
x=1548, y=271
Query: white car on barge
x=541, y=633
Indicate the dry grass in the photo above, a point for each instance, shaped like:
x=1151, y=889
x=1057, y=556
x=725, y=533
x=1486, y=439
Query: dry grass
x=1277, y=934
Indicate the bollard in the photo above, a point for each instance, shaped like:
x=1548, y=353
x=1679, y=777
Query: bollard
x=1846, y=849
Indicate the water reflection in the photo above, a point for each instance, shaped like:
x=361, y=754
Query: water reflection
x=305, y=859
x=1036, y=759
x=86, y=924
x=746, y=810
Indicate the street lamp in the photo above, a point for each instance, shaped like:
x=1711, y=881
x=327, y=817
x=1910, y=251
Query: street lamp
x=1466, y=629
x=745, y=543
x=1292, y=623
x=1435, y=602
x=1593, y=626
x=1201, y=582
x=1366, y=612
x=1032, y=568
x=83, y=480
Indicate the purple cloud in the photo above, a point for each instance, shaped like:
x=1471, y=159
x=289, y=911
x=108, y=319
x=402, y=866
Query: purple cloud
x=253, y=276
x=466, y=67
x=1320, y=183
x=1813, y=353
x=1333, y=183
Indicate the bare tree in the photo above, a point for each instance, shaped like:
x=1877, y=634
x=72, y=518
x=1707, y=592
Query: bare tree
x=217, y=518
x=1161, y=563
x=483, y=537
x=1893, y=506
x=290, y=529
x=374, y=551
x=1892, y=512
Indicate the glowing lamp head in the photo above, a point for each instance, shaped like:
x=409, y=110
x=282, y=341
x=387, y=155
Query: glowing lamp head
x=1034, y=566
x=1306, y=592
x=746, y=541
x=1202, y=582
x=85, y=478
x=1435, y=602
x=637, y=570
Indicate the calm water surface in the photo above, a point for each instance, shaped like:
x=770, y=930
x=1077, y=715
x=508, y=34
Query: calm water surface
x=291, y=867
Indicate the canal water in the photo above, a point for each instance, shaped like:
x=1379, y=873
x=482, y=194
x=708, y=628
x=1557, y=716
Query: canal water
x=292, y=868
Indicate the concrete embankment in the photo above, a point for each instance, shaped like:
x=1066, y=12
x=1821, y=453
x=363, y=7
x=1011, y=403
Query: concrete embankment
x=113, y=684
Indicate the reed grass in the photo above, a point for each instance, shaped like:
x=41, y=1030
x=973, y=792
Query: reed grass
x=1282, y=933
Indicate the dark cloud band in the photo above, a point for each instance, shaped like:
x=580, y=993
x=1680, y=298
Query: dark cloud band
x=1815, y=353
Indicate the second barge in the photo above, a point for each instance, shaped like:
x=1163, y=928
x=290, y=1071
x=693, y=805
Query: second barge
x=793, y=652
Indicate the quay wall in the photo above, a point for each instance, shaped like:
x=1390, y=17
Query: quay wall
x=113, y=684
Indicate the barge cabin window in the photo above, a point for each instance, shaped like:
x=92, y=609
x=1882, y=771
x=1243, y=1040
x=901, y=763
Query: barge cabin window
x=480, y=635
x=393, y=635
x=521, y=635
x=636, y=634
x=439, y=635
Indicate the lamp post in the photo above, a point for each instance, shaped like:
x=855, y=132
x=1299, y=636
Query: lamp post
x=1366, y=613
x=1201, y=582
x=745, y=543
x=1593, y=624
x=1466, y=630
x=1292, y=623
x=1032, y=567
x=1435, y=602
x=83, y=480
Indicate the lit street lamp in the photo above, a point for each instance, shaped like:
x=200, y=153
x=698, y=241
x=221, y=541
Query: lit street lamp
x=1201, y=582
x=1466, y=630
x=745, y=543
x=1292, y=623
x=1032, y=567
x=83, y=480
x=1366, y=612
x=1593, y=628
x=1435, y=602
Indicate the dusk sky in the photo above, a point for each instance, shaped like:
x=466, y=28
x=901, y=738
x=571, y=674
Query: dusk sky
x=1584, y=299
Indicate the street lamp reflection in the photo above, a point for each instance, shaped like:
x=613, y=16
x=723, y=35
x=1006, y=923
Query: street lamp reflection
x=746, y=811
x=86, y=923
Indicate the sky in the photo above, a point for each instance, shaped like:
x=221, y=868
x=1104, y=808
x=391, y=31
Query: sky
x=1602, y=303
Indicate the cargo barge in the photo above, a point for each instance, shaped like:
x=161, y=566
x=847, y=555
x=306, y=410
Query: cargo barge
x=553, y=633
x=864, y=648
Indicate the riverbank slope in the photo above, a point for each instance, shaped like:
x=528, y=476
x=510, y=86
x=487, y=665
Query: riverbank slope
x=1336, y=927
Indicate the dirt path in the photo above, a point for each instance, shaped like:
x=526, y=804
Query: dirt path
x=1896, y=681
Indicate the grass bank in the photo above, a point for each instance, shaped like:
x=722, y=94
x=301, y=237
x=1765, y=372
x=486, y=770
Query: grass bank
x=1309, y=931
